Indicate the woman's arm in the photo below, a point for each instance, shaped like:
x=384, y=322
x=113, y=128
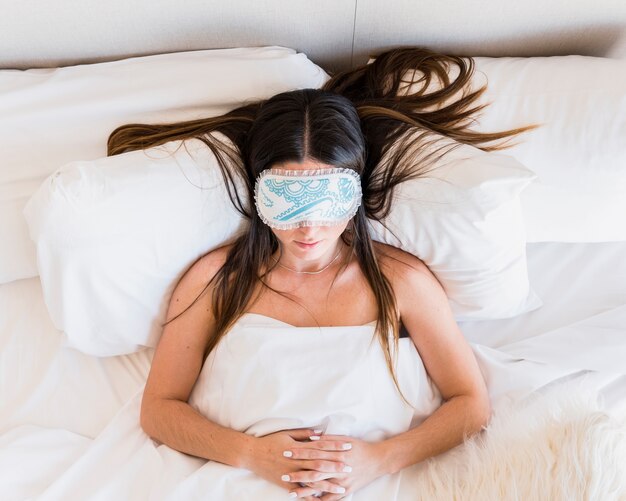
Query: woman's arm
x=166, y=415
x=449, y=361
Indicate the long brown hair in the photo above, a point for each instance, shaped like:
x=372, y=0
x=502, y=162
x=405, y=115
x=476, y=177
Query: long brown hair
x=362, y=119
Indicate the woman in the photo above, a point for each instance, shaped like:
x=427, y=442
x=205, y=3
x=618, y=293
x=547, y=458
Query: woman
x=318, y=164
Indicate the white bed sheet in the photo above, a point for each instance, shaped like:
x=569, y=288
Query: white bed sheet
x=46, y=384
x=575, y=281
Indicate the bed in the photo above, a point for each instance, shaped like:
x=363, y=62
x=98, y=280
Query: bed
x=560, y=226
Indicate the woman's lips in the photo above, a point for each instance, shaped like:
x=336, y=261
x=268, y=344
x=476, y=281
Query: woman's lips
x=305, y=245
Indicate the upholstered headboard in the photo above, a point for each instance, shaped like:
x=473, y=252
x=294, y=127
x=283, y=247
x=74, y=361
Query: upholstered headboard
x=335, y=34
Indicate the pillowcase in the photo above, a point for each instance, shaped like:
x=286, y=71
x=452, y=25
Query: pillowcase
x=115, y=235
x=578, y=153
x=49, y=117
x=464, y=220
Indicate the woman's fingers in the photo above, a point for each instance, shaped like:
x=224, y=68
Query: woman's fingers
x=304, y=491
x=330, y=460
x=326, y=486
x=340, y=438
x=329, y=445
x=307, y=476
x=330, y=497
x=318, y=461
x=302, y=434
x=307, y=453
x=322, y=465
x=306, y=497
x=316, y=489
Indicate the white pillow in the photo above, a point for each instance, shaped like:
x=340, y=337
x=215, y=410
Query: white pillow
x=464, y=220
x=578, y=153
x=49, y=117
x=114, y=235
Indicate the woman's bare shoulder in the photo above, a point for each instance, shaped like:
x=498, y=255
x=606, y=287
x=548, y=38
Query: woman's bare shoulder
x=407, y=273
x=194, y=281
x=207, y=265
x=396, y=259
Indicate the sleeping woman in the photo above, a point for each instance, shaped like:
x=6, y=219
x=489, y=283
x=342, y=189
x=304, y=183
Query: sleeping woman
x=304, y=359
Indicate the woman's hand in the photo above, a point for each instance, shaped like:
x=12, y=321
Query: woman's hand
x=363, y=462
x=267, y=458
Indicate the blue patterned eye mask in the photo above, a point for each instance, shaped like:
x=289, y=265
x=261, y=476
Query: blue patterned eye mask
x=287, y=199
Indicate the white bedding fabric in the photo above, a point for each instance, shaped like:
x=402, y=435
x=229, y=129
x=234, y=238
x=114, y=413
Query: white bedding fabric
x=61, y=432
x=69, y=112
x=124, y=463
x=575, y=281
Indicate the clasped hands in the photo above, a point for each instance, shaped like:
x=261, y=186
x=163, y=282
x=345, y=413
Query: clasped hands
x=314, y=466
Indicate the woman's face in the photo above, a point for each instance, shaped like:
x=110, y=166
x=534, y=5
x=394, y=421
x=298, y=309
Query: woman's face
x=309, y=242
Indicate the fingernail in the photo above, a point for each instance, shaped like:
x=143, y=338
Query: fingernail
x=347, y=469
x=285, y=478
x=287, y=454
x=293, y=495
x=346, y=447
x=314, y=437
x=341, y=490
x=319, y=432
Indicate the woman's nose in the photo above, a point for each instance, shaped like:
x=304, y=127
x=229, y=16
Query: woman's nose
x=309, y=232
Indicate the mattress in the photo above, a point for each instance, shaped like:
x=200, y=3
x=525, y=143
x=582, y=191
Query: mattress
x=46, y=384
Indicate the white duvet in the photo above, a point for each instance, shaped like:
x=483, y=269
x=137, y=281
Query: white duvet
x=267, y=375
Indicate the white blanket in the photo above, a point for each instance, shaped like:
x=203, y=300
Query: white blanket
x=266, y=376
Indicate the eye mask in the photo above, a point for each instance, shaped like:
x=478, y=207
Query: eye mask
x=287, y=199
